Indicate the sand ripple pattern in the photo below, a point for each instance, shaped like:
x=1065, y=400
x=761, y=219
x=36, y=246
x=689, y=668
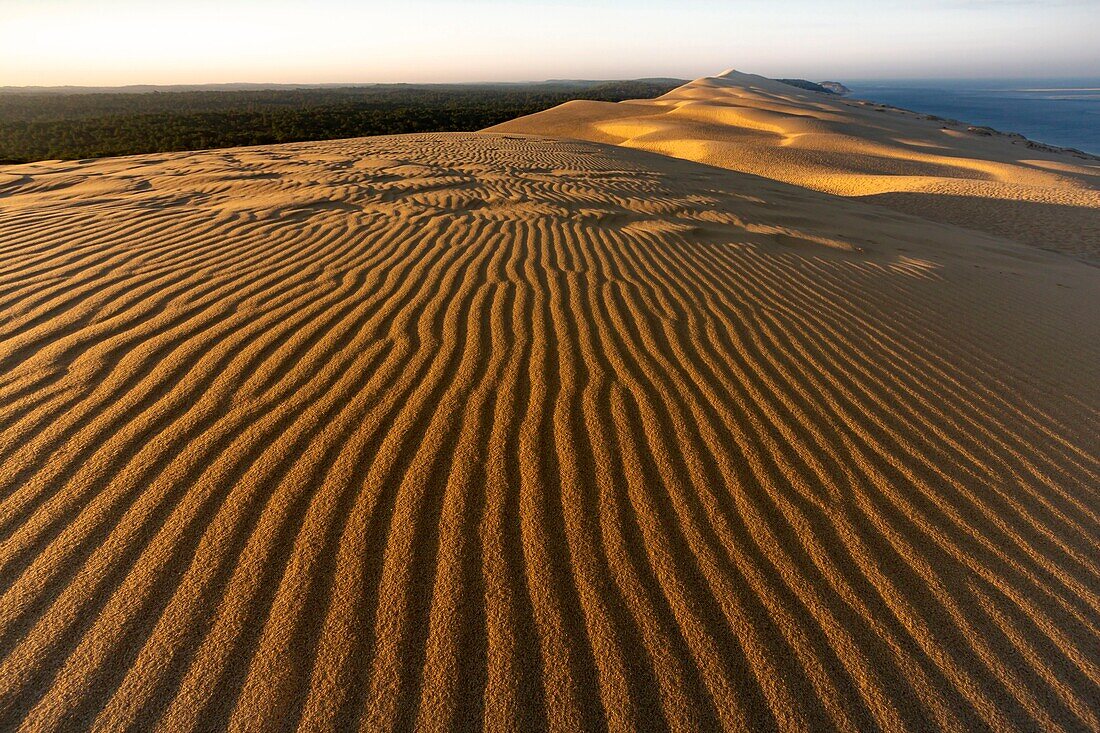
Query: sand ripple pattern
x=453, y=431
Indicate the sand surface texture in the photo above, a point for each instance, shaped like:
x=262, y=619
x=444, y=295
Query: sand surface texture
x=903, y=160
x=446, y=431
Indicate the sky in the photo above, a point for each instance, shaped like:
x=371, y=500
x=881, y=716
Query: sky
x=118, y=42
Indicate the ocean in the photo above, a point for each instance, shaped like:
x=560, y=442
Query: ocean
x=1064, y=112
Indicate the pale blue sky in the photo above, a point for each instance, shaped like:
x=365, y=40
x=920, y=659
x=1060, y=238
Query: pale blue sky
x=114, y=42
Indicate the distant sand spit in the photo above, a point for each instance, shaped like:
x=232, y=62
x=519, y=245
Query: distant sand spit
x=445, y=431
x=903, y=160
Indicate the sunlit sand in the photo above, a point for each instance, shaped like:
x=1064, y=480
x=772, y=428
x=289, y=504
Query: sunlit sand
x=450, y=431
x=904, y=160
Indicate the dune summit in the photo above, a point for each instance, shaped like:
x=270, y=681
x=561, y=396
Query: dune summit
x=483, y=430
x=919, y=164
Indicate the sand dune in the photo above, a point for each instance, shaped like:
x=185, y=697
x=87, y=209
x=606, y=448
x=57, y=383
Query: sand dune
x=904, y=160
x=457, y=430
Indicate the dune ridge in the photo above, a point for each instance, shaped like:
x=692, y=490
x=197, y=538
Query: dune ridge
x=915, y=163
x=443, y=431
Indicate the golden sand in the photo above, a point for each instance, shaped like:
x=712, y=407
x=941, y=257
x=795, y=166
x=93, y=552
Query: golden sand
x=446, y=431
x=899, y=159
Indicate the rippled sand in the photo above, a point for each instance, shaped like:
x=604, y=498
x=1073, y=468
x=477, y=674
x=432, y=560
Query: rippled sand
x=450, y=431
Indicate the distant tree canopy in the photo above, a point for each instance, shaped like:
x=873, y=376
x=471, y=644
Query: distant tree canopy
x=41, y=126
x=807, y=85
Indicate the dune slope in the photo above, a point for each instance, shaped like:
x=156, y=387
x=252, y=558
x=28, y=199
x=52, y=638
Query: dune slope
x=457, y=430
x=907, y=161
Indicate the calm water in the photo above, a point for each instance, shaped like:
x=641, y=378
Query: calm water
x=1063, y=112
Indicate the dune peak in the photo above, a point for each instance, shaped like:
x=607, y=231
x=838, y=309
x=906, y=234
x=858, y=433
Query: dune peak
x=943, y=170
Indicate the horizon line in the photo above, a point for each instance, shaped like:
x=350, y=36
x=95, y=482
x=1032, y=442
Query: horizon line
x=841, y=78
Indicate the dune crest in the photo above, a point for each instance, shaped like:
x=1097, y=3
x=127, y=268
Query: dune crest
x=904, y=160
x=447, y=431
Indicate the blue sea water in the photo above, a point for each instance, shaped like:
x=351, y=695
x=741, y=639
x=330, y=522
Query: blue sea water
x=1063, y=112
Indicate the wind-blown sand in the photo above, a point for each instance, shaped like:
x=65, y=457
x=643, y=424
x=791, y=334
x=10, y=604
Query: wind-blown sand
x=460, y=430
x=900, y=159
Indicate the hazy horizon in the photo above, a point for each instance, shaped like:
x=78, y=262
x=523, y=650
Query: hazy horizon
x=849, y=80
x=202, y=42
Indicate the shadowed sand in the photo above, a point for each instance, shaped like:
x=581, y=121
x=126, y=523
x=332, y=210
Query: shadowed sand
x=480, y=430
x=911, y=162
